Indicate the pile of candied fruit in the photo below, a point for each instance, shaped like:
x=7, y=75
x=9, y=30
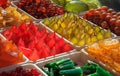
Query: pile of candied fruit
x=36, y=42
x=10, y=16
x=40, y=8
x=107, y=51
x=105, y=17
x=20, y=71
x=9, y=53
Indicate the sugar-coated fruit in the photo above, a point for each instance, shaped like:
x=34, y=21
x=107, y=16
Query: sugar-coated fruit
x=107, y=51
x=75, y=29
x=40, y=8
x=35, y=42
x=21, y=71
x=105, y=17
x=9, y=53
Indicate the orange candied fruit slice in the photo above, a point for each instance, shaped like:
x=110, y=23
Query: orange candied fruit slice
x=9, y=54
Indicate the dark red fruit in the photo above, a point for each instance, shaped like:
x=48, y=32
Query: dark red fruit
x=104, y=17
x=20, y=71
x=40, y=8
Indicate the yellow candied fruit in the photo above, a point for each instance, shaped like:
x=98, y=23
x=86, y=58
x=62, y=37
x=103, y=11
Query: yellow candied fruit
x=11, y=16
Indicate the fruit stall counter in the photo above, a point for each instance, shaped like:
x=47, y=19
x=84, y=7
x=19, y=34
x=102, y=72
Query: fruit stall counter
x=59, y=38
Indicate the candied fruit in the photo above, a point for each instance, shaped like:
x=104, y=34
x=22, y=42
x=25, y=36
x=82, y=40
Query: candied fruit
x=105, y=17
x=107, y=51
x=77, y=30
x=9, y=53
x=10, y=16
x=40, y=8
x=35, y=42
x=21, y=71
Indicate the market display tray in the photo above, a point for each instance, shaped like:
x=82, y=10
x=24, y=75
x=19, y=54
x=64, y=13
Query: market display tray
x=115, y=73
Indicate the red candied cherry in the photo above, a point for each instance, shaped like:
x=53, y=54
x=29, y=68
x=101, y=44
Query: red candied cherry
x=104, y=24
x=104, y=8
x=118, y=17
x=117, y=30
x=112, y=21
x=117, y=23
x=103, y=15
x=110, y=10
x=118, y=14
x=108, y=17
x=114, y=16
x=113, y=13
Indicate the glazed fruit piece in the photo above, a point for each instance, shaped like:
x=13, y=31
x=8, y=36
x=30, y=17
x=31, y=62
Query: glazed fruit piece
x=10, y=16
x=20, y=71
x=75, y=29
x=9, y=53
x=40, y=8
x=36, y=43
x=107, y=51
x=105, y=17
x=66, y=67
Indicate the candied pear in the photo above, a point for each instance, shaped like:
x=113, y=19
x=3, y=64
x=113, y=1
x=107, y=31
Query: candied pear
x=46, y=21
x=93, y=38
x=108, y=34
x=97, y=29
x=53, y=18
x=88, y=40
x=102, y=31
x=76, y=31
x=63, y=25
x=51, y=24
x=84, y=23
x=59, y=22
x=81, y=42
x=82, y=35
x=55, y=26
x=71, y=15
x=65, y=15
x=100, y=36
x=69, y=31
x=91, y=31
x=74, y=40
x=60, y=30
